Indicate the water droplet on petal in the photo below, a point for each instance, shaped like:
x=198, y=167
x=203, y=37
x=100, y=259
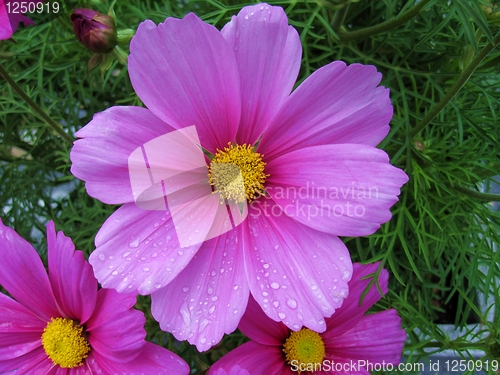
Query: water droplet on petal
x=275, y=285
x=346, y=275
x=157, y=286
x=276, y=303
x=134, y=243
x=146, y=269
x=114, y=273
x=126, y=254
x=212, y=309
x=314, y=287
x=101, y=256
x=282, y=315
x=292, y=303
x=185, y=289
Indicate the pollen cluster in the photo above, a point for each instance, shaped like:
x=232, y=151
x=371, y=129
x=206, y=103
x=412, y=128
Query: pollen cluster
x=237, y=173
x=64, y=343
x=304, y=347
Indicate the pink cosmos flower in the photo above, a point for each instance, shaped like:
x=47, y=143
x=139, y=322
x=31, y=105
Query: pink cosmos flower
x=9, y=22
x=353, y=343
x=235, y=86
x=61, y=323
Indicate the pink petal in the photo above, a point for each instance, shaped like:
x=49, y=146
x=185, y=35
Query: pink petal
x=376, y=338
x=208, y=298
x=351, y=312
x=257, y=326
x=101, y=157
x=116, y=330
x=153, y=359
x=296, y=274
x=23, y=275
x=71, y=277
x=345, y=189
x=268, y=53
x=257, y=359
x=138, y=250
x=235, y=370
x=186, y=73
x=20, y=330
x=34, y=362
x=336, y=104
x=5, y=27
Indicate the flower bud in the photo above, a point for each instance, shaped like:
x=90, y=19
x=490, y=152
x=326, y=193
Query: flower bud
x=94, y=30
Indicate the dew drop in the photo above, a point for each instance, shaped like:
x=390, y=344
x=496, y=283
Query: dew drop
x=266, y=266
x=203, y=340
x=185, y=289
x=126, y=254
x=291, y=303
x=276, y=303
x=282, y=315
x=114, y=273
x=314, y=287
x=215, y=298
x=235, y=311
x=157, y=286
x=111, y=267
x=145, y=269
x=235, y=287
x=180, y=252
x=101, y=256
x=212, y=309
x=346, y=275
x=275, y=285
x=134, y=243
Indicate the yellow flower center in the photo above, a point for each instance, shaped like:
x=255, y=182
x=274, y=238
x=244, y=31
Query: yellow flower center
x=304, y=349
x=63, y=341
x=237, y=173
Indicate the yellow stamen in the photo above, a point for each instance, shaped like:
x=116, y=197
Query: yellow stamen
x=304, y=349
x=237, y=173
x=64, y=343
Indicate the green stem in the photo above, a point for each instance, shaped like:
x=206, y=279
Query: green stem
x=476, y=194
x=339, y=17
x=455, y=345
x=384, y=26
x=462, y=78
x=54, y=125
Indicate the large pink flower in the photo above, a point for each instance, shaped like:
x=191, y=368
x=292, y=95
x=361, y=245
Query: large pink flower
x=62, y=324
x=235, y=86
x=353, y=343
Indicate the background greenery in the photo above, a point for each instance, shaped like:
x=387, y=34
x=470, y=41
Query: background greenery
x=440, y=246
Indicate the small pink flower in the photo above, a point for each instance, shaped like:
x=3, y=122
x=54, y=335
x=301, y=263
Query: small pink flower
x=10, y=21
x=353, y=343
x=61, y=324
x=312, y=173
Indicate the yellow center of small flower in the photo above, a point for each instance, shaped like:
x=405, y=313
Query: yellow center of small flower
x=237, y=173
x=305, y=348
x=63, y=341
